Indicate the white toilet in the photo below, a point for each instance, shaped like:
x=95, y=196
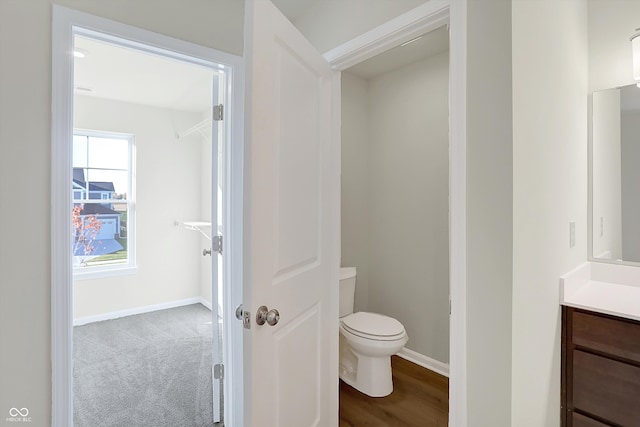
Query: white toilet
x=367, y=341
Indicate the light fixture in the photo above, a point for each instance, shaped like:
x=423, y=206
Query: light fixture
x=414, y=40
x=84, y=88
x=80, y=53
x=635, y=49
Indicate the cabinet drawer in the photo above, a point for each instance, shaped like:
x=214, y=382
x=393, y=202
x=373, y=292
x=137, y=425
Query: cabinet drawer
x=606, y=388
x=616, y=337
x=582, y=421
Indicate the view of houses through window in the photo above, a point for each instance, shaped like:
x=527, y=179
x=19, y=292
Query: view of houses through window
x=102, y=215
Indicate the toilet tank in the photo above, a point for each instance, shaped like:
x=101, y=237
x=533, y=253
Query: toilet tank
x=347, y=289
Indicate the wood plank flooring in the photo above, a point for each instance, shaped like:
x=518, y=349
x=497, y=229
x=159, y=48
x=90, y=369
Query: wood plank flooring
x=420, y=398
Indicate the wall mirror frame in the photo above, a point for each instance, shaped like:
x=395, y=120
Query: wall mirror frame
x=614, y=175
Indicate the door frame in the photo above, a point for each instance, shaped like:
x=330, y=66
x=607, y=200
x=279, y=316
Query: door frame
x=64, y=25
x=424, y=18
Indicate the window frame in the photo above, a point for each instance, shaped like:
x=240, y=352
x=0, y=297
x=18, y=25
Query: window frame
x=130, y=266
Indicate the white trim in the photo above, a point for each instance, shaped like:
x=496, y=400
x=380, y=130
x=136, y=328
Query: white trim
x=100, y=272
x=140, y=310
x=334, y=290
x=422, y=19
x=200, y=300
x=424, y=361
x=458, y=215
x=61, y=234
x=233, y=211
x=130, y=266
x=66, y=23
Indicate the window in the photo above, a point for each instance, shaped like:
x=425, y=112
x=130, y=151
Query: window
x=103, y=204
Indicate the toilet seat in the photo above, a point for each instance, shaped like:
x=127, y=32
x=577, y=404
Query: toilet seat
x=373, y=326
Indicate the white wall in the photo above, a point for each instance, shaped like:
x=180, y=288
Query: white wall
x=549, y=191
x=205, y=144
x=631, y=185
x=25, y=157
x=606, y=174
x=168, y=183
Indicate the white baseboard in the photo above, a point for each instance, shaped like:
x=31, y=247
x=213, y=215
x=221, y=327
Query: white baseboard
x=424, y=361
x=205, y=302
x=140, y=310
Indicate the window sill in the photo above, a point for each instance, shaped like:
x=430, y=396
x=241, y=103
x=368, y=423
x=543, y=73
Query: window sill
x=104, y=273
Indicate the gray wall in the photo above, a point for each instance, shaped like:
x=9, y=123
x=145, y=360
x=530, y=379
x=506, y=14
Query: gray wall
x=630, y=148
x=489, y=213
x=395, y=171
x=25, y=158
x=606, y=188
x=355, y=182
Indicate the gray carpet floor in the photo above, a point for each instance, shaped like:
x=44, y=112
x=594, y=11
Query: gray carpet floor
x=151, y=369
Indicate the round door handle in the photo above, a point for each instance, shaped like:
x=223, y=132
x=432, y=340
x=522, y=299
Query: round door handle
x=264, y=315
x=273, y=317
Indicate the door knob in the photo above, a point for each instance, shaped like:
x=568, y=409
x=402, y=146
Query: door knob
x=265, y=315
x=206, y=252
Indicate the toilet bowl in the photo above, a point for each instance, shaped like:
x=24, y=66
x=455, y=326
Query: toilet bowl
x=367, y=341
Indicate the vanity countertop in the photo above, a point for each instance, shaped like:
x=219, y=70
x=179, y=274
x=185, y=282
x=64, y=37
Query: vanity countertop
x=604, y=288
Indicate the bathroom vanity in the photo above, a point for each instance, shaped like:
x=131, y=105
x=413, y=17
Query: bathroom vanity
x=601, y=299
x=600, y=346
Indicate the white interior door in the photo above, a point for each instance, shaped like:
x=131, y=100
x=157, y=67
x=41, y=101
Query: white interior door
x=291, y=255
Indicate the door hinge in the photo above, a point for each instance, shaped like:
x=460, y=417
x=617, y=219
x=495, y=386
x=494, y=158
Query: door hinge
x=218, y=371
x=218, y=113
x=216, y=244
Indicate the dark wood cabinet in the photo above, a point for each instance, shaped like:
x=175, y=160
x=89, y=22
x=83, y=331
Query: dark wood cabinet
x=582, y=421
x=600, y=370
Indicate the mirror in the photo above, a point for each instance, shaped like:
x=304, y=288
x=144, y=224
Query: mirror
x=615, y=175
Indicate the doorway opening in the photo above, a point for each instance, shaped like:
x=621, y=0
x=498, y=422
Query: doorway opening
x=144, y=142
x=143, y=163
x=395, y=189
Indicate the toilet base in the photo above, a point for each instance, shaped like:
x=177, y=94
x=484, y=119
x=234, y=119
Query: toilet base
x=371, y=377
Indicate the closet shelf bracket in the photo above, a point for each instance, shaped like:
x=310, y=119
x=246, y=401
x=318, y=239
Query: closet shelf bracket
x=198, y=127
x=202, y=227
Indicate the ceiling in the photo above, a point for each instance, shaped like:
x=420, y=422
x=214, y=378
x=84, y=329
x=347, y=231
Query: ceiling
x=432, y=43
x=118, y=73
x=114, y=72
x=293, y=9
